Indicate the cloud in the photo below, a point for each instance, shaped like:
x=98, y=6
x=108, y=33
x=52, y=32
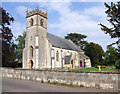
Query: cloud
x=21, y=10
x=74, y=21
x=85, y=22
x=97, y=11
x=18, y=28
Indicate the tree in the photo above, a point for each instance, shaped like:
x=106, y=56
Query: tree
x=8, y=45
x=20, y=46
x=111, y=56
x=95, y=52
x=117, y=64
x=78, y=39
x=113, y=13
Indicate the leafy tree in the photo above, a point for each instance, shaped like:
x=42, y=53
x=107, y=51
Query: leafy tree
x=111, y=56
x=117, y=64
x=95, y=52
x=78, y=39
x=113, y=14
x=20, y=46
x=8, y=45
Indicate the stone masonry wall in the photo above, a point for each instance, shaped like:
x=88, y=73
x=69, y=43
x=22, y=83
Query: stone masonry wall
x=88, y=79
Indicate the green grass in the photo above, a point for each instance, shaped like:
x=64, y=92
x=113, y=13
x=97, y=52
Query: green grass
x=108, y=68
x=63, y=84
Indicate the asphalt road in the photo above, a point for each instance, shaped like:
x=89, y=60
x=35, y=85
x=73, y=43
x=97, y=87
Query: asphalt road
x=17, y=85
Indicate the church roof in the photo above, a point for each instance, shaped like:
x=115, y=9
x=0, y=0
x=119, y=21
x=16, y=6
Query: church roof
x=62, y=43
x=84, y=55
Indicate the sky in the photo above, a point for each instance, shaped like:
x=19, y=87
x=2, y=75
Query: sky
x=63, y=18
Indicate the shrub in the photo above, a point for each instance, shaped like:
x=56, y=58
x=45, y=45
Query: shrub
x=103, y=66
x=55, y=83
x=48, y=81
x=117, y=64
x=63, y=84
x=14, y=64
x=100, y=66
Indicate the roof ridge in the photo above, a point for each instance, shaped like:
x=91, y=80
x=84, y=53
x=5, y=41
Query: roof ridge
x=58, y=36
x=62, y=42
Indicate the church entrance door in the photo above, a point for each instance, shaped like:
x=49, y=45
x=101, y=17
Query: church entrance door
x=80, y=63
x=30, y=64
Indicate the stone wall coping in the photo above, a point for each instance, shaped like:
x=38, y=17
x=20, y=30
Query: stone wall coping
x=53, y=70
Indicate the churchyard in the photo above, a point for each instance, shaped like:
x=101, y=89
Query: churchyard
x=95, y=69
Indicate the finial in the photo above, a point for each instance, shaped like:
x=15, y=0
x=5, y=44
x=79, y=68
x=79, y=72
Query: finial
x=46, y=12
x=37, y=5
x=27, y=10
x=37, y=10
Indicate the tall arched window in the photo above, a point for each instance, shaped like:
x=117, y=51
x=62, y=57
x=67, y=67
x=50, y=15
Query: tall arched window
x=41, y=22
x=30, y=52
x=75, y=56
x=57, y=56
x=31, y=22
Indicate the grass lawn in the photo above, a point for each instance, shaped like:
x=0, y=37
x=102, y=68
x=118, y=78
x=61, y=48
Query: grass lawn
x=108, y=68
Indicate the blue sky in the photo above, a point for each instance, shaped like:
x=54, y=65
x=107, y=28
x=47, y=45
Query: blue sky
x=63, y=18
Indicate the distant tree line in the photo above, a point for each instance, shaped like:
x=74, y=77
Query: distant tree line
x=112, y=55
x=95, y=51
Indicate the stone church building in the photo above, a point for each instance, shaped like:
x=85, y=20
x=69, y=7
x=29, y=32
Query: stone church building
x=44, y=50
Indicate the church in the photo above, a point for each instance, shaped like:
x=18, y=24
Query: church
x=47, y=51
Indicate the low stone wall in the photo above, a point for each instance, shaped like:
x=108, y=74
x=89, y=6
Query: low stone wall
x=86, y=79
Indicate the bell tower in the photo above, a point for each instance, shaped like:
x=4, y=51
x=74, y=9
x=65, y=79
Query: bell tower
x=35, y=42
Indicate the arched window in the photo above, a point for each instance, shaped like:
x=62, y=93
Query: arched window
x=75, y=56
x=52, y=53
x=31, y=22
x=57, y=56
x=30, y=52
x=41, y=22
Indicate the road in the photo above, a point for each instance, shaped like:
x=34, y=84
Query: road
x=17, y=85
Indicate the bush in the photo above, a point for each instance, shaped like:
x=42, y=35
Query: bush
x=55, y=83
x=48, y=81
x=117, y=64
x=13, y=64
x=103, y=66
x=100, y=66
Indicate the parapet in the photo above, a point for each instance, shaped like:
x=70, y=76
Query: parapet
x=37, y=11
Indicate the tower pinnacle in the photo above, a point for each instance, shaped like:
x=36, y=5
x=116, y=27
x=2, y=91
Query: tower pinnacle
x=27, y=12
x=37, y=5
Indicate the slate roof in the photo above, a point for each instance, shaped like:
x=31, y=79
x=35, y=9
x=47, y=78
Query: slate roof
x=84, y=55
x=62, y=43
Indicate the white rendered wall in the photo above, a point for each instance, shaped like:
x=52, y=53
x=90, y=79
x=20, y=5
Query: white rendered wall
x=88, y=63
x=36, y=50
x=48, y=54
x=58, y=64
x=36, y=40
